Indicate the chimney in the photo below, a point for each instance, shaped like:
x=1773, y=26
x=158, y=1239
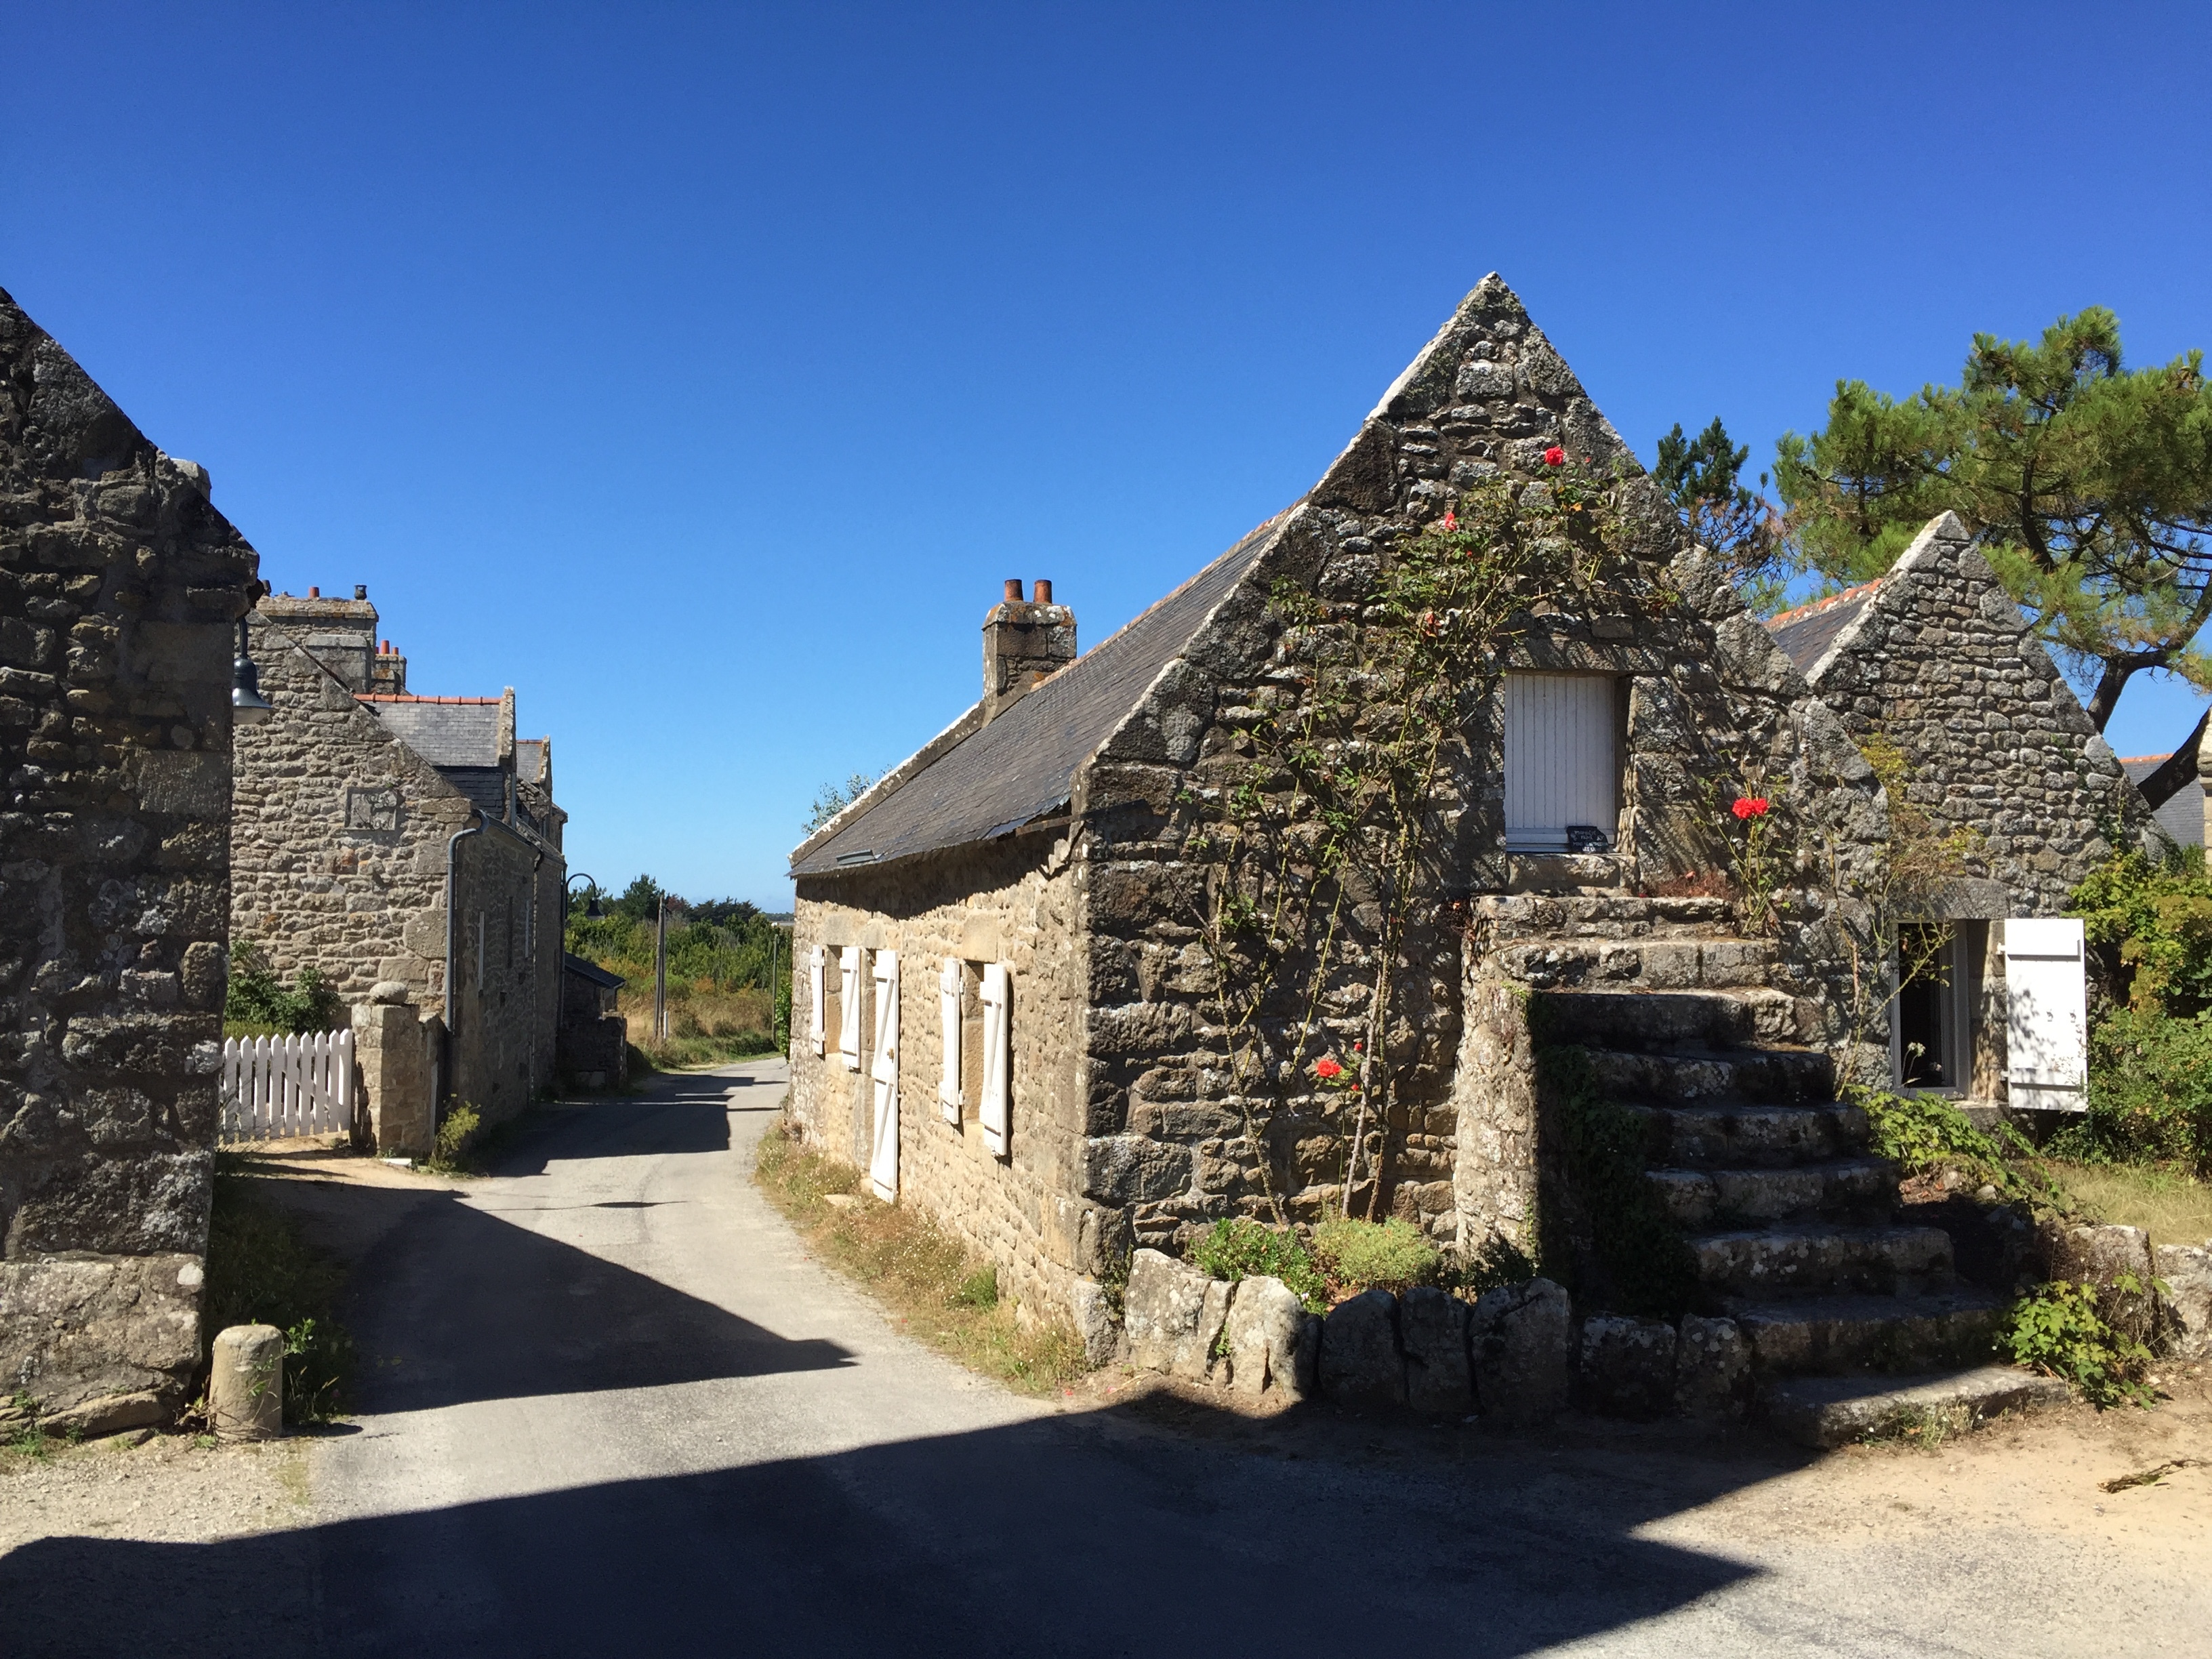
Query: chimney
x=1023, y=640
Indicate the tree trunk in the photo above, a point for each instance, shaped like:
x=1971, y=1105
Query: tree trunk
x=2179, y=770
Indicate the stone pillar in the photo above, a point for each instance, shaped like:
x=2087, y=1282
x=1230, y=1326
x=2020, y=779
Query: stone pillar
x=245, y=1384
x=392, y=1046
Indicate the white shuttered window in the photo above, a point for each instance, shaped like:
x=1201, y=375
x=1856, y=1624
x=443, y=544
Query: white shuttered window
x=994, y=1112
x=817, y=987
x=2047, y=1016
x=1562, y=759
x=883, y=1070
x=948, y=1019
x=849, y=1007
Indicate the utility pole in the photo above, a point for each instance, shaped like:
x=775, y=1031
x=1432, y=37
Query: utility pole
x=660, y=974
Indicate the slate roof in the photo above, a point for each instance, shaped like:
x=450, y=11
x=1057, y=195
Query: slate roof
x=1023, y=764
x=1806, y=633
x=573, y=963
x=445, y=730
x=529, y=757
x=484, y=785
x=2182, y=814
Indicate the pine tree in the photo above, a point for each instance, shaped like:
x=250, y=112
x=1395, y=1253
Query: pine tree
x=2088, y=485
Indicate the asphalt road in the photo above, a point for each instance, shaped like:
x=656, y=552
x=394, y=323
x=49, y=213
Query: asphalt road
x=611, y=1407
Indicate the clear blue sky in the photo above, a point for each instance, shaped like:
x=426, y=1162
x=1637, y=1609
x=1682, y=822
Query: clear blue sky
x=701, y=372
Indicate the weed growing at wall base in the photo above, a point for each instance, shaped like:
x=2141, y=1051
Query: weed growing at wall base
x=260, y=1271
x=934, y=1290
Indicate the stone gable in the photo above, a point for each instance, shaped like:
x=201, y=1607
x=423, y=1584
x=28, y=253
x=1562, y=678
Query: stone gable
x=120, y=588
x=1937, y=659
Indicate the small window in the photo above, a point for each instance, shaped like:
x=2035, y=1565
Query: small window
x=1562, y=763
x=1932, y=1050
x=972, y=1040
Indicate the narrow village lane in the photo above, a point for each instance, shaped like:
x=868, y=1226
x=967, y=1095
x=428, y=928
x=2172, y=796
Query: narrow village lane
x=610, y=1406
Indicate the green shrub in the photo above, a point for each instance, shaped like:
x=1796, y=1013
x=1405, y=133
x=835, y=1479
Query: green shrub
x=1241, y=1248
x=1926, y=1134
x=457, y=1134
x=256, y=1004
x=1377, y=1255
x=2061, y=1329
x=260, y=1271
x=2150, y=1092
x=2150, y=926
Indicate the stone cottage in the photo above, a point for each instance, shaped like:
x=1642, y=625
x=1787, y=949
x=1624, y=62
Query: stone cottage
x=1997, y=760
x=408, y=850
x=120, y=588
x=1005, y=1004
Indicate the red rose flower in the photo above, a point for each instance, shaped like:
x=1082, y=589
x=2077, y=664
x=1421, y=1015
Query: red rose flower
x=1326, y=1068
x=1555, y=456
x=1451, y=519
x=1751, y=806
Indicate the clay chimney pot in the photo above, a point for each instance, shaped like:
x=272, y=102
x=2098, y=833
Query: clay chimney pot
x=1013, y=590
x=314, y=592
x=1042, y=592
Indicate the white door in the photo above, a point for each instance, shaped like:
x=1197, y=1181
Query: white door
x=884, y=1068
x=948, y=1020
x=2047, y=1021
x=1562, y=759
x=994, y=1112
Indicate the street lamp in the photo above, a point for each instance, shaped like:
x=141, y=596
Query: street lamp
x=592, y=910
x=247, y=706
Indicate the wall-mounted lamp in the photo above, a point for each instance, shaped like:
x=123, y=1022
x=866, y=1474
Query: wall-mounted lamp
x=247, y=706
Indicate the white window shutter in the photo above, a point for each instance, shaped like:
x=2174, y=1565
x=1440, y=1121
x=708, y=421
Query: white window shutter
x=849, y=1007
x=948, y=1016
x=884, y=1068
x=995, y=1111
x=1562, y=759
x=2047, y=1023
x=818, y=979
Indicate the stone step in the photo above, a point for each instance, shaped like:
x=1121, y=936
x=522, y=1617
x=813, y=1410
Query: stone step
x=1745, y=1076
x=1510, y=917
x=1835, y=1411
x=1822, y=1256
x=1702, y=1198
x=1647, y=1020
x=1805, y=1334
x=1748, y=1137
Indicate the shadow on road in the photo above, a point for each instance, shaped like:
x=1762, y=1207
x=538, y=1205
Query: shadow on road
x=1068, y=1536
x=534, y=1316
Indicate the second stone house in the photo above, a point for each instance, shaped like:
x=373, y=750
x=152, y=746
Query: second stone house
x=408, y=850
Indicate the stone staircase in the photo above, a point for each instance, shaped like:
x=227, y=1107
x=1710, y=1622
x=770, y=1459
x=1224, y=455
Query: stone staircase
x=1852, y=1316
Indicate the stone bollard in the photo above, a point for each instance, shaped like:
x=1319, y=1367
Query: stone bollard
x=245, y=1389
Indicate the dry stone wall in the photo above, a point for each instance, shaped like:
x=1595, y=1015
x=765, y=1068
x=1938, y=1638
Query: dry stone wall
x=1010, y=901
x=120, y=588
x=1710, y=705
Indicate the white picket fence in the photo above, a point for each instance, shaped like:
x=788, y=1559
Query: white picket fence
x=273, y=1087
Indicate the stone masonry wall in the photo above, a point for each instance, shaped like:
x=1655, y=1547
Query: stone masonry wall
x=120, y=588
x=1711, y=706
x=504, y=1008
x=1010, y=901
x=1942, y=663
x=339, y=835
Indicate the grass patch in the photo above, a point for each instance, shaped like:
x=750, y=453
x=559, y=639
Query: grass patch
x=939, y=1292
x=2168, y=1202
x=1922, y=1427
x=261, y=1271
x=1375, y=1256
